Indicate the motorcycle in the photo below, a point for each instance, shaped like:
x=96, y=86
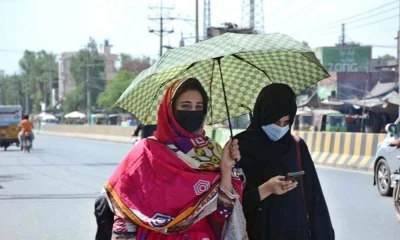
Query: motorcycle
x=27, y=142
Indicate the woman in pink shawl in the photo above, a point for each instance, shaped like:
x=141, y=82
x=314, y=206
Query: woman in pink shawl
x=179, y=183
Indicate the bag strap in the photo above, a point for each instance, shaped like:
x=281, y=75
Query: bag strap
x=300, y=163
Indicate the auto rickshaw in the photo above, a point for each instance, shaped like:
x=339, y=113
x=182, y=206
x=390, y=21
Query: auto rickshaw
x=10, y=116
x=336, y=122
x=303, y=121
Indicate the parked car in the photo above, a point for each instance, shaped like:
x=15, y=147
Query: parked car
x=387, y=160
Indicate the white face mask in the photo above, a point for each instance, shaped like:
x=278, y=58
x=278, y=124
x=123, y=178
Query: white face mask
x=275, y=132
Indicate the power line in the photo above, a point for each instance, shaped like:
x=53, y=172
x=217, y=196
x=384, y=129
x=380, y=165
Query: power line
x=278, y=9
x=331, y=24
x=380, y=46
x=161, y=32
x=364, y=25
x=357, y=20
x=296, y=12
x=11, y=51
x=347, y=18
x=322, y=31
x=396, y=8
x=301, y=10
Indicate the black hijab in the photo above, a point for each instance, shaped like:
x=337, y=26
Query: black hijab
x=279, y=216
x=274, y=102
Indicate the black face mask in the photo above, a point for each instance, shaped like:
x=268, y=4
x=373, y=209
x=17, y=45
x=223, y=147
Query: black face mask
x=189, y=120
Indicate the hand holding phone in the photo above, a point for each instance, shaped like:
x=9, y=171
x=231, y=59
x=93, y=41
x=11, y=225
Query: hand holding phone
x=294, y=176
x=276, y=185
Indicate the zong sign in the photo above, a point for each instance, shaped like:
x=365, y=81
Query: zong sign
x=346, y=59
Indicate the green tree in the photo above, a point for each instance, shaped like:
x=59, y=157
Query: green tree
x=108, y=98
x=13, y=89
x=75, y=101
x=87, y=70
x=305, y=43
x=10, y=88
x=387, y=57
x=40, y=71
x=135, y=65
x=124, y=59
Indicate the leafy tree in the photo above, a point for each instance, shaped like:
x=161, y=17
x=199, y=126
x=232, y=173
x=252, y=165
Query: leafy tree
x=125, y=58
x=40, y=70
x=10, y=89
x=75, y=101
x=135, y=65
x=108, y=98
x=87, y=70
x=387, y=57
x=305, y=43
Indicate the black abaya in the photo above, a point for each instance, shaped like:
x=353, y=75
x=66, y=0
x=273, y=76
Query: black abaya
x=280, y=217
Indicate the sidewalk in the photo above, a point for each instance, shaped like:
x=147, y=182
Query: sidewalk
x=97, y=137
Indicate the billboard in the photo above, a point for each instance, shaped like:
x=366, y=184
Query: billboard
x=10, y=115
x=346, y=58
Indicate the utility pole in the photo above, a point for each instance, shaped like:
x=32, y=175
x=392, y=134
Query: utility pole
x=161, y=32
x=365, y=95
x=2, y=83
x=398, y=59
x=16, y=89
x=1, y=93
x=44, y=90
x=88, y=95
x=197, y=21
x=26, y=94
x=343, y=40
x=398, y=62
x=206, y=18
x=51, y=81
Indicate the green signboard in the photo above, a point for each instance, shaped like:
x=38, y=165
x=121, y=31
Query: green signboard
x=346, y=59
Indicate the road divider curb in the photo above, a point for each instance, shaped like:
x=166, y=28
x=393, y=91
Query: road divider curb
x=96, y=132
x=97, y=137
x=354, y=151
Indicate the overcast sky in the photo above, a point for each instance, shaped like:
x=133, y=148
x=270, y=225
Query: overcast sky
x=65, y=25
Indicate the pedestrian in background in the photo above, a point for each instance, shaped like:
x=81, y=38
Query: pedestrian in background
x=277, y=208
x=146, y=130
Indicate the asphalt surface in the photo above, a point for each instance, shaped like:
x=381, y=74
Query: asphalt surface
x=49, y=193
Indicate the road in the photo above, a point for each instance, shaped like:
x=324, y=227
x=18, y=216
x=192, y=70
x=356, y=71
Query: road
x=49, y=193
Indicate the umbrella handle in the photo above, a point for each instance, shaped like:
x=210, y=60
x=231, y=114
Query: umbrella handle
x=237, y=171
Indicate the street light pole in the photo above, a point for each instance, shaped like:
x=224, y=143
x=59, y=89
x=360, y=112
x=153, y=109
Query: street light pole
x=88, y=95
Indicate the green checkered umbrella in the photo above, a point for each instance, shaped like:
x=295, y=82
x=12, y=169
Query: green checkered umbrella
x=233, y=68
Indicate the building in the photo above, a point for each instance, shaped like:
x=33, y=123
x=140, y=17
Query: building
x=380, y=65
x=228, y=27
x=109, y=60
x=66, y=82
x=353, y=71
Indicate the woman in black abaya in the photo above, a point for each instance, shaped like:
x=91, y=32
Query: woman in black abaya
x=277, y=209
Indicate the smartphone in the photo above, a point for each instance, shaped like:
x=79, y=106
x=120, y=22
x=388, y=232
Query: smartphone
x=294, y=176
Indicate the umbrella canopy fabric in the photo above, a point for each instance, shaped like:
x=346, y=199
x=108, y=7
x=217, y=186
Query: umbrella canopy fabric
x=75, y=114
x=45, y=116
x=232, y=68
